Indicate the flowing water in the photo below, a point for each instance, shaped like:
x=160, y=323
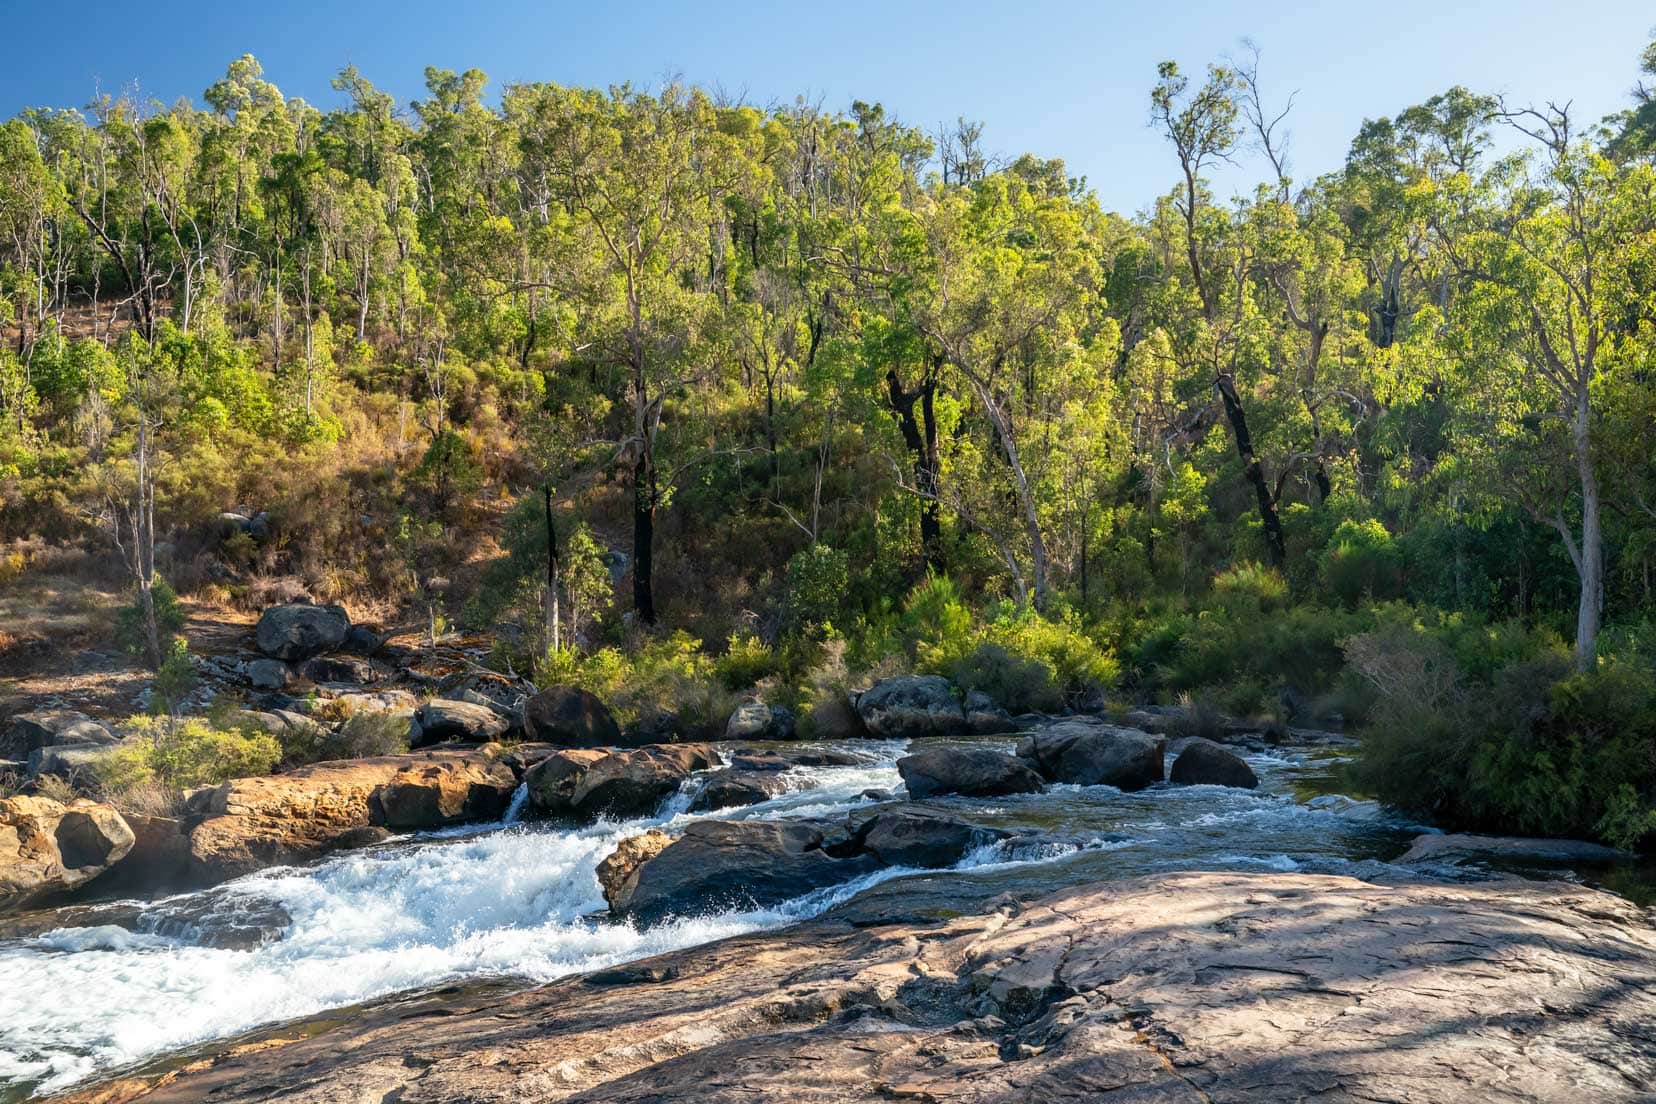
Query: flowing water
x=121, y=983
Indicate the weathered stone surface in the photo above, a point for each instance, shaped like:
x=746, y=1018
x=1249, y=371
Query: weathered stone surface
x=570, y=717
x=721, y=864
x=1204, y=763
x=975, y=772
x=586, y=782
x=911, y=837
x=345, y=670
x=47, y=847
x=911, y=706
x=1088, y=754
x=984, y=717
x=160, y=855
x=439, y=720
x=1181, y=988
x=29, y=732
x=726, y=789
x=757, y=721
x=71, y=762
x=448, y=791
x=250, y=823
x=1434, y=847
x=754, y=759
x=362, y=640
x=836, y=718
x=374, y=701
x=298, y=631
x=618, y=872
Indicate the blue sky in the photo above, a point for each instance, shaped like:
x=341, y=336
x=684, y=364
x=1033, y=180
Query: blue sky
x=1061, y=79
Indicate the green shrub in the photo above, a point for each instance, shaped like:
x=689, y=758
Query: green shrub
x=1362, y=561
x=817, y=582
x=746, y=661
x=1019, y=683
x=937, y=623
x=668, y=674
x=1250, y=587
x=181, y=754
x=1534, y=750
x=130, y=633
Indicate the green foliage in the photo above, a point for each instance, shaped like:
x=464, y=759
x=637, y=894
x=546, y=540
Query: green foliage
x=130, y=627
x=183, y=753
x=745, y=662
x=664, y=675
x=1362, y=561
x=818, y=582
x=1020, y=684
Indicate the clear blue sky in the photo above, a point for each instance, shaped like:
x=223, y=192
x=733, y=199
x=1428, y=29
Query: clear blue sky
x=1061, y=79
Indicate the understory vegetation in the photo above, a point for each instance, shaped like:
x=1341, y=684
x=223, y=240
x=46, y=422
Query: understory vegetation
x=686, y=401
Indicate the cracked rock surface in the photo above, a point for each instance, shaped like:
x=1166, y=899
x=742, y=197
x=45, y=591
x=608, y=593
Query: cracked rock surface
x=1189, y=987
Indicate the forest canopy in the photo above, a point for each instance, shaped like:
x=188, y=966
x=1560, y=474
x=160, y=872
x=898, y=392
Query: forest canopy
x=630, y=370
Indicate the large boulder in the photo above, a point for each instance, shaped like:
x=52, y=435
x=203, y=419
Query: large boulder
x=298, y=631
x=912, y=837
x=726, y=789
x=47, y=847
x=717, y=865
x=374, y=701
x=159, y=859
x=586, y=783
x=251, y=823
x=755, y=720
x=440, y=720
x=570, y=717
x=974, y=772
x=910, y=706
x=1205, y=763
x=1096, y=755
x=29, y=732
x=447, y=791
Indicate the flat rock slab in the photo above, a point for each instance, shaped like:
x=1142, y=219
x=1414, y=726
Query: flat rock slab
x=1203, y=988
x=1435, y=847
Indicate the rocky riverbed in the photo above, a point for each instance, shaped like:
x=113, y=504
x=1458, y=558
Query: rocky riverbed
x=885, y=983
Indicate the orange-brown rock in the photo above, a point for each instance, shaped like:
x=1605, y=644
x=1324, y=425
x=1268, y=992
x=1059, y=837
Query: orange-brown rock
x=48, y=847
x=251, y=823
x=618, y=874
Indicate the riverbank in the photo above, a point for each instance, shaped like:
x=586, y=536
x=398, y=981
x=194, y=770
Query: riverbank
x=1181, y=987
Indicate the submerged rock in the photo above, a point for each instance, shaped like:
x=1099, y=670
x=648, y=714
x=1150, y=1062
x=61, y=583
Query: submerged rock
x=1434, y=847
x=1137, y=989
x=570, y=717
x=974, y=772
x=299, y=631
x=911, y=706
x=725, y=789
x=1087, y=754
x=1204, y=763
x=587, y=783
x=47, y=847
x=911, y=837
x=717, y=865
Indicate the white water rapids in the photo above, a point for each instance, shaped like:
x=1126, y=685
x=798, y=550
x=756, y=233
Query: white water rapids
x=519, y=901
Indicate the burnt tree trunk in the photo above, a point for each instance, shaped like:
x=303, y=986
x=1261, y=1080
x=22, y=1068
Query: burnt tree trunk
x=920, y=435
x=1253, y=470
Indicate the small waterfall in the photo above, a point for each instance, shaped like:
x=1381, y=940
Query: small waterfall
x=514, y=811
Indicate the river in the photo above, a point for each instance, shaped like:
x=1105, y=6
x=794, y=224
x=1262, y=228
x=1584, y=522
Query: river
x=120, y=983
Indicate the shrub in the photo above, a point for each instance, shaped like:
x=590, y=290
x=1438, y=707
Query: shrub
x=1362, y=561
x=746, y=661
x=1249, y=587
x=181, y=754
x=668, y=674
x=817, y=582
x=169, y=620
x=1079, y=665
x=1020, y=684
x=1533, y=750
